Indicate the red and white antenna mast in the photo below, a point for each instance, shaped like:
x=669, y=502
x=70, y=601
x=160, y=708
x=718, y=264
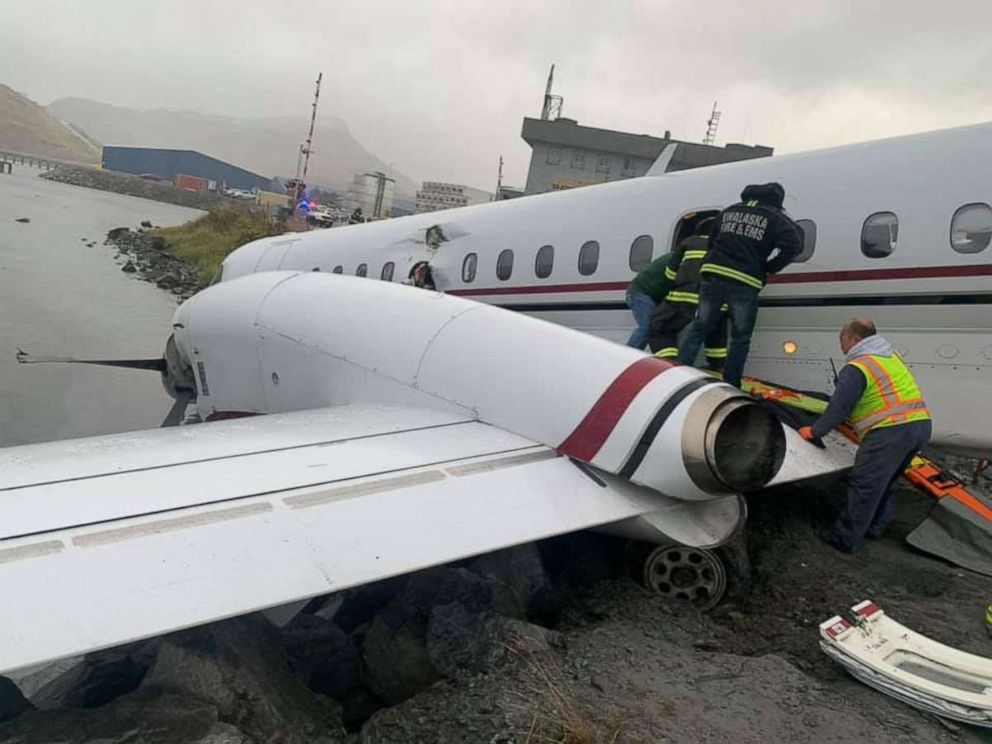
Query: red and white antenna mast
x=304, y=158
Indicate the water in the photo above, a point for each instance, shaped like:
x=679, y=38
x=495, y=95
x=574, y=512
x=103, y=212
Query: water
x=60, y=297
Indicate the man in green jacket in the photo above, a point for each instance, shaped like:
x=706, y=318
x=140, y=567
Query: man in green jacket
x=648, y=289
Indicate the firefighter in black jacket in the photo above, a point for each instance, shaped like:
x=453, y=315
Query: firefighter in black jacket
x=738, y=262
x=679, y=307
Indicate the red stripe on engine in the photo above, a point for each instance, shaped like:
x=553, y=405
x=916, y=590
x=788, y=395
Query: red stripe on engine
x=597, y=425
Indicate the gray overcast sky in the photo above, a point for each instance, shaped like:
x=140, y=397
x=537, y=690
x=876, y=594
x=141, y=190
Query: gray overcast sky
x=439, y=88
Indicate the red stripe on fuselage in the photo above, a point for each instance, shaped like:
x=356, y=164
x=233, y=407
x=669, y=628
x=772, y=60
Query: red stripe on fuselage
x=863, y=275
x=228, y=415
x=853, y=275
x=598, y=424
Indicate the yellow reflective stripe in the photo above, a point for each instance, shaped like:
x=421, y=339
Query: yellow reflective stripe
x=716, y=353
x=731, y=274
x=677, y=296
x=669, y=273
x=895, y=415
x=693, y=254
x=753, y=203
x=891, y=395
x=669, y=352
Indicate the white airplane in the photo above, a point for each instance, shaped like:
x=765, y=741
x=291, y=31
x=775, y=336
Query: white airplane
x=897, y=229
x=409, y=428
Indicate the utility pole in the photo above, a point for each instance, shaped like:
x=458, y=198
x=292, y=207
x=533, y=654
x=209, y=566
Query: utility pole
x=711, y=126
x=499, y=179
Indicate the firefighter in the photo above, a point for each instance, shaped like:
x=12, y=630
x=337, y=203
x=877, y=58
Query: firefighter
x=877, y=394
x=737, y=265
x=679, y=307
x=644, y=293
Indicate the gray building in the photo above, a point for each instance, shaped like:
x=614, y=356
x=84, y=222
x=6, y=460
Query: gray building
x=166, y=164
x=565, y=155
x=436, y=195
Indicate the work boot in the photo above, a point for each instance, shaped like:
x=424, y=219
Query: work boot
x=838, y=543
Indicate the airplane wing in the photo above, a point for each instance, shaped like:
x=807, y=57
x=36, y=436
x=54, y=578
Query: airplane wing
x=110, y=539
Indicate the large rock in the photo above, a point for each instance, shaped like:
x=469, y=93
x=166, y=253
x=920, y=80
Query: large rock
x=396, y=664
x=97, y=679
x=168, y=280
x=149, y=716
x=117, y=233
x=322, y=655
x=460, y=641
x=521, y=570
x=238, y=666
x=12, y=702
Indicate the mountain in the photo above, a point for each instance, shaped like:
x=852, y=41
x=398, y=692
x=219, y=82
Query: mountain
x=26, y=127
x=266, y=146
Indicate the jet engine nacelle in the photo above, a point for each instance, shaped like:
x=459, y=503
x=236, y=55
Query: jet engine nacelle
x=276, y=342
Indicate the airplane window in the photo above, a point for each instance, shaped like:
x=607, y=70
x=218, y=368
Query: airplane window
x=362, y=270
x=807, y=237
x=545, y=261
x=469, y=265
x=504, y=265
x=879, y=235
x=588, y=257
x=338, y=269
x=971, y=228
x=640, y=252
x=387, y=271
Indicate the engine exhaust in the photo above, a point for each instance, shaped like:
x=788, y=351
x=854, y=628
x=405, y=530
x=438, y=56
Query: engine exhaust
x=731, y=442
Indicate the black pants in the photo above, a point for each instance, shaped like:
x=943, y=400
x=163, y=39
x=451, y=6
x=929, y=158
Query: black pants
x=667, y=322
x=882, y=457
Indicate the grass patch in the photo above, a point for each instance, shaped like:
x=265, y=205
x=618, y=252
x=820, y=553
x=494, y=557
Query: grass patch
x=206, y=241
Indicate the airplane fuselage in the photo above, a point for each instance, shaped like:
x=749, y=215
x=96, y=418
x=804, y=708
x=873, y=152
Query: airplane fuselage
x=897, y=231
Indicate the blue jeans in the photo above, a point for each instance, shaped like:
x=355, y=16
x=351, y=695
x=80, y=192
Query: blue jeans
x=882, y=456
x=642, y=307
x=742, y=304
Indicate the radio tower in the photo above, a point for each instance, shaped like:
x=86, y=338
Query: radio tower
x=711, y=126
x=551, y=109
x=298, y=184
x=305, y=146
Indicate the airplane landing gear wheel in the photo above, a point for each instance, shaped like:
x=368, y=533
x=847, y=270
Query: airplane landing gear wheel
x=692, y=575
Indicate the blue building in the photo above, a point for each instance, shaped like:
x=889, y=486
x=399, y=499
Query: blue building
x=166, y=164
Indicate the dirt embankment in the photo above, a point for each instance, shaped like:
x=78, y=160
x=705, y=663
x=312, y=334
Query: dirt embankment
x=542, y=643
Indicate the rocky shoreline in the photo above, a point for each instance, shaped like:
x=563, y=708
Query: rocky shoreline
x=121, y=183
x=147, y=256
x=546, y=642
